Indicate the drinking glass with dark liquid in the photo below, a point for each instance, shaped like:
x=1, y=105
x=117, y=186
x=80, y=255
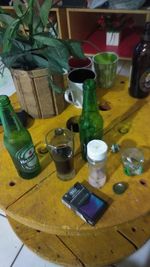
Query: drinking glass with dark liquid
x=60, y=144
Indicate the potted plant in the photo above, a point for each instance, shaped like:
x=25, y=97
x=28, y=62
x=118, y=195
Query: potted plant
x=31, y=49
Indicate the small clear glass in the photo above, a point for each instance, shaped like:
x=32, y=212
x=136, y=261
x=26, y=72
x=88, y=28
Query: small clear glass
x=132, y=159
x=60, y=144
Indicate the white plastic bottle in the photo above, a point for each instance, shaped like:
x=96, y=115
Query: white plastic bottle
x=96, y=156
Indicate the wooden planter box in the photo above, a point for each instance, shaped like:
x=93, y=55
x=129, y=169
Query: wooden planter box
x=34, y=94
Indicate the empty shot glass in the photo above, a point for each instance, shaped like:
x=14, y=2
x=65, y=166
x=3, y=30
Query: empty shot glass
x=60, y=144
x=132, y=159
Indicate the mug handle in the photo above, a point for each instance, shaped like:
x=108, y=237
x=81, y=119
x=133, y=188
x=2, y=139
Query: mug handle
x=68, y=95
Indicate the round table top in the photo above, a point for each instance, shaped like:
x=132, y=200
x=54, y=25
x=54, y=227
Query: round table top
x=36, y=203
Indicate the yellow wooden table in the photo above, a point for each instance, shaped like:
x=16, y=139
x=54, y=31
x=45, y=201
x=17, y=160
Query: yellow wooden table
x=34, y=207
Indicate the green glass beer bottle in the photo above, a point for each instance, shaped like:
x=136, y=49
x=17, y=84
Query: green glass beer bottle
x=18, y=141
x=90, y=121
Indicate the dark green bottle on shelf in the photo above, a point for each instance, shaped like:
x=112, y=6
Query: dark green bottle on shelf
x=91, y=121
x=18, y=141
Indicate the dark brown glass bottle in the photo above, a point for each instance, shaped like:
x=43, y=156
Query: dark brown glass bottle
x=140, y=74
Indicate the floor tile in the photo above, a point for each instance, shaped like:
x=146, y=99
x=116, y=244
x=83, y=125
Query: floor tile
x=6, y=83
x=2, y=212
x=9, y=243
x=141, y=258
x=27, y=258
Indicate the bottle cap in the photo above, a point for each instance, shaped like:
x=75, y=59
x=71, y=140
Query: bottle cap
x=97, y=150
x=59, y=131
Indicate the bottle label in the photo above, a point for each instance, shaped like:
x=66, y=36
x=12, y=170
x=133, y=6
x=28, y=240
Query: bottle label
x=144, y=81
x=27, y=158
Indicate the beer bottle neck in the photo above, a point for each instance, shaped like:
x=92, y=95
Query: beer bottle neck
x=9, y=119
x=89, y=97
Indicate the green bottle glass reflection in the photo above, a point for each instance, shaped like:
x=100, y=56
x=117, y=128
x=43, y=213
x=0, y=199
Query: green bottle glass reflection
x=18, y=141
x=91, y=121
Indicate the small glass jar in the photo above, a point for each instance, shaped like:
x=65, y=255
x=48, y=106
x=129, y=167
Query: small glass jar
x=132, y=159
x=96, y=157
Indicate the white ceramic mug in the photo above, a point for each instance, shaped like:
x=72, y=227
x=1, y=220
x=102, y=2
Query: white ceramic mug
x=76, y=78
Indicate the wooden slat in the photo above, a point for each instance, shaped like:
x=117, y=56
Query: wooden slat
x=26, y=92
x=44, y=97
x=12, y=186
x=48, y=246
x=106, y=247
x=101, y=249
x=137, y=231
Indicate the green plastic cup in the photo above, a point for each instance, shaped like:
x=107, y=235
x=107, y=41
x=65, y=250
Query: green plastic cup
x=105, y=65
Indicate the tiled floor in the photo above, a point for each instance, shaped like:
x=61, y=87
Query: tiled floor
x=15, y=254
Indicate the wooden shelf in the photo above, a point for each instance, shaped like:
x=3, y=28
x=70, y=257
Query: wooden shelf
x=83, y=26
x=96, y=42
x=107, y=10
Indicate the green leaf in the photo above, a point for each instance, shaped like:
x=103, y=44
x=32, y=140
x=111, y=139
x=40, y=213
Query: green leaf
x=22, y=45
x=19, y=7
x=2, y=32
x=10, y=33
x=6, y=19
x=58, y=60
x=24, y=12
x=56, y=48
x=2, y=10
x=30, y=18
x=55, y=67
x=37, y=25
x=75, y=48
x=39, y=61
x=58, y=56
x=44, y=11
x=9, y=60
x=45, y=39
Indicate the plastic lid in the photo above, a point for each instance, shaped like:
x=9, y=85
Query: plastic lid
x=97, y=150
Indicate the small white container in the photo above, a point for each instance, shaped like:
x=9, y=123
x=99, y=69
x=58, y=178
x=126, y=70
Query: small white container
x=96, y=156
x=112, y=38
